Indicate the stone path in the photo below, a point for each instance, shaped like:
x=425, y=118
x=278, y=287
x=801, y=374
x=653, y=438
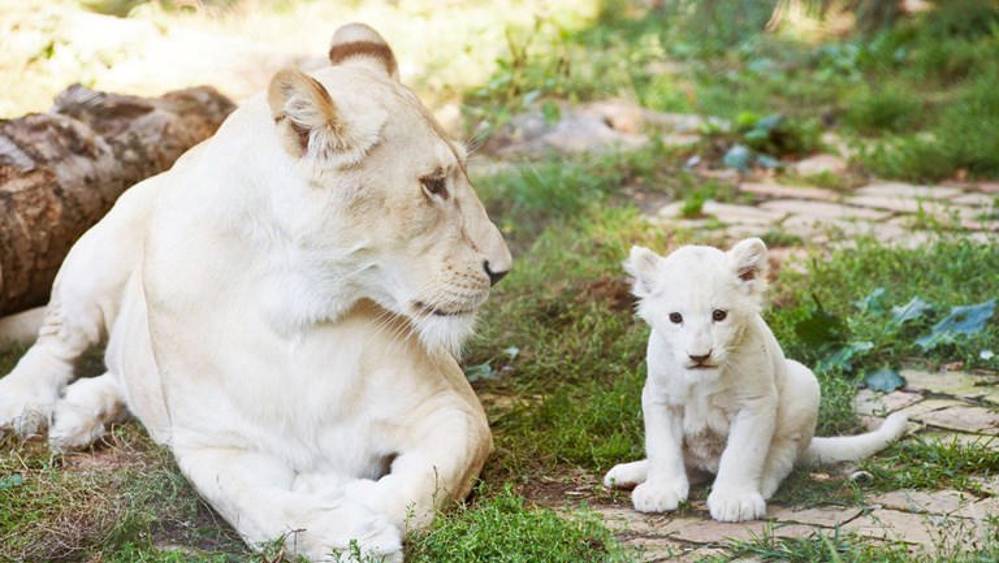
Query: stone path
x=944, y=406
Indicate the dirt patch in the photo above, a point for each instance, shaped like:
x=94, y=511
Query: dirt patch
x=614, y=291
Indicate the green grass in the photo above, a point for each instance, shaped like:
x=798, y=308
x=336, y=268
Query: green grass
x=504, y=527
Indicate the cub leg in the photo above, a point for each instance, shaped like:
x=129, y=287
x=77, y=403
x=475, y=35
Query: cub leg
x=666, y=484
x=445, y=453
x=780, y=463
x=256, y=493
x=84, y=302
x=798, y=413
x=82, y=416
x=627, y=475
x=735, y=495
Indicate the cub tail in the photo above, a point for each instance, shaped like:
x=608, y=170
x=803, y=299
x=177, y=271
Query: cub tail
x=853, y=448
x=21, y=328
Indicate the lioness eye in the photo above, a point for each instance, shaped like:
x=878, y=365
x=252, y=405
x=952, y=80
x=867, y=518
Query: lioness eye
x=719, y=315
x=435, y=185
x=676, y=318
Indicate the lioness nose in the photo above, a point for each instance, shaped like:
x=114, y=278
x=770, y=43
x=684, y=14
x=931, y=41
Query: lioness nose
x=699, y=359
x=494, y=277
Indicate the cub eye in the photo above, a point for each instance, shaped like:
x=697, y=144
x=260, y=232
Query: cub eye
x=719, y=315
x=435, y=185
x=676, y=318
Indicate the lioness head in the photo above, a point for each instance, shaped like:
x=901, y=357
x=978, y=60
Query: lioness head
x=392, y=215
x=698, y=299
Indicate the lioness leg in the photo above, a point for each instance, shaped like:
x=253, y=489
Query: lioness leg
x=256, y=493
x=438, y=466
x=84, y=302
x=82, y=416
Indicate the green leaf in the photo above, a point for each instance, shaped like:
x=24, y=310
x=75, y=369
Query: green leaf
x=911, y=311
x=962, y=321
x=820, y=329
x=842, y=359
x=480, y=372
x=738, y=157
x=873, y=302
x=884, y=379
x=11, y=481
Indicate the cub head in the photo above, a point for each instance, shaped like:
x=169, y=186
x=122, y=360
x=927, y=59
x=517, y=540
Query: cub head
x=699, y=299
x=381, y=207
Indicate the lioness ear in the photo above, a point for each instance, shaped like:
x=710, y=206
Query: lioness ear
x=749, y=262
x=642, y=264
x=310, y=123
x=358, y=44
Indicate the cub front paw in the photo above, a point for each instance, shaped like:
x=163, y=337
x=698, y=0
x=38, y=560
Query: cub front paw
x=728, y=505
x=659, y=497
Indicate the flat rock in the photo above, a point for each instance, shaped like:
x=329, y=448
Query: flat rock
x=980, y=510
x=956, y=383
x=932, y=502
x=870, y=402
x=656, y=549
x=988, y=187
x=814, y=229
x=820, y=164
x=893, y=525
x=911, y=191
x=922, y=408
x=710, y=531
x=977, y=200
x=962, y=438
x=628, y=521
x=726, y=213
x=965, y=418
x=824, y=210
x=771, y=190
x=826, y=516
x=988, y=484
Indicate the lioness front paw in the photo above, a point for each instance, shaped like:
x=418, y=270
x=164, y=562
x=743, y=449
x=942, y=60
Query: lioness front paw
x=369, y=538
x=728, y=505
x=659, y=496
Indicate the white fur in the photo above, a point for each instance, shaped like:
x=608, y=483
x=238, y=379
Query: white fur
x=268, y=315
x=748, y=416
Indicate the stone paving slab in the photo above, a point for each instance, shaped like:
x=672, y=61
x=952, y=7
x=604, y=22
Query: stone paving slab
x=825, y=516
x=920, y=409
x=903, y=190
x=962, y=438
x=956, y=383
x=979, y=420
x=977, y=200
x=697, y=530
x=894, y=525
x=657, y=549
x=932, y=502
x=941, y=210
x=726, y=212
x=868, y=402
x=784, y=191
x=980, y=510
x=816, y=228
x=824, y=210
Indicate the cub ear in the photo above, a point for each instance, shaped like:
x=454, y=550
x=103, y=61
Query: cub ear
x=749, y=263
x=642, y=265
x=310, y=123
x=360, y=45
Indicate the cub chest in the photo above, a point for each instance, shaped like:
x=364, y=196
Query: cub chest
x=706, y=422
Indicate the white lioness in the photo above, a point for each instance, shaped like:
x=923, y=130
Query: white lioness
x=719, y=396
x=282, y=307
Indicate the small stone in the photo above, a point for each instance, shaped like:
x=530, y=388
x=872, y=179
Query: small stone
x=823, y=210
x=980, y=510
x=874, y=403
x=955, y=383
x=903, y=190
x=783, y=191
x=826, y=516
x=820, y=164
x=965, y=418
x=934, y=502
x=893, y=525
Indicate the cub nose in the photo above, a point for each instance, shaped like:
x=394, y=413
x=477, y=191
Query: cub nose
x=699, y=359
x=494, y=277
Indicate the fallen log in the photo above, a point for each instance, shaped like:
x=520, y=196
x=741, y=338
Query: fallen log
x=61, y=171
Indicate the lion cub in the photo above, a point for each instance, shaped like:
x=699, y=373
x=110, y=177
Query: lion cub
x=720, y=396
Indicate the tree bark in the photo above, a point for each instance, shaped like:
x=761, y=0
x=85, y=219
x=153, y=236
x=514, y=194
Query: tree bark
x=61, y=171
